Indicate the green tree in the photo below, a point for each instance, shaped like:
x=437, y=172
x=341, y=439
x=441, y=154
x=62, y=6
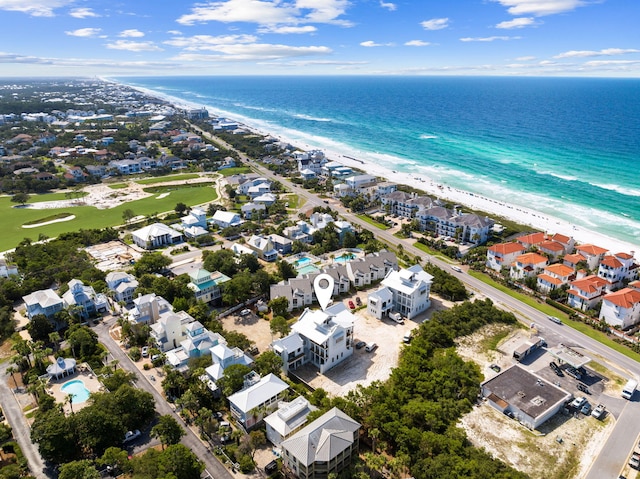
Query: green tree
x=181, y=208
x=55, y=436
x=268, y=362
x=179, y=462
x=116, y=458
x=21, y=198
x=168, y=431
x=286, y=270
x=40, y=328
x=78, y=470
x=128, y=215
x=233, y=378
x=279, y=325
x=279, y=306
x=151, y=263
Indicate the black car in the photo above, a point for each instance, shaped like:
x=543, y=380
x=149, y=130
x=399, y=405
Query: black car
x=556, y=368
x=583, y=388
x=271, y=467
x=360, y=344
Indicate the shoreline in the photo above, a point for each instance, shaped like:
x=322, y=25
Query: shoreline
x=525, y=216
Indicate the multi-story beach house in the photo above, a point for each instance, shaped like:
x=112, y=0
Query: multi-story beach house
x=288, y=419
x=554, y=276
x=263, y=247
x=156, y=236
x=226, y=219
x=258, y=398
x=567, y=242
x=222, y=356
x=321, y=338
x=148, y=308
x=45, y=302
x=198, y=342
x=373, y=267
x=586, y=292
x=551, y=249
x=409, y=288
x=169, y=330
x=123, y=285
x=84, y=299
x=592, y=255
x=325, y=447
x=621, y=309
x=617, y=269
x=527, y=265
x=503, y=255
x=531, y=240
x=207, y=286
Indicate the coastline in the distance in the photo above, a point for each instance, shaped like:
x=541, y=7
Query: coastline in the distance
x=582, y=221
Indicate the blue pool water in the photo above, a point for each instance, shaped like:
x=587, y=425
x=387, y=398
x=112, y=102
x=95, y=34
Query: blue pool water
x=78, y=389
x=302, y=262
x=343, y=258
x=309, y=269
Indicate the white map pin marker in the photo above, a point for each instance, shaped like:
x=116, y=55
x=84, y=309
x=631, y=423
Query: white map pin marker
x=323, y=287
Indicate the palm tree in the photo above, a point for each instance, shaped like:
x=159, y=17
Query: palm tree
x=55, y=340
x=68, y=399
x=12, y=370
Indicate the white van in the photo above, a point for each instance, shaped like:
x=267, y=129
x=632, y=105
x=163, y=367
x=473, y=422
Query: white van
x=370, y=347
x=407, y=337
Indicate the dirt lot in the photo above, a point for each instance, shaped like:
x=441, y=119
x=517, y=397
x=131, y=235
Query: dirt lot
x=565, y=446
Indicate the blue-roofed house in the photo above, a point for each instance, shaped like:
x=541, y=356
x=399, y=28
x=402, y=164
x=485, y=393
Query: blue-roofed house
x=207, y=286
x=86, y=298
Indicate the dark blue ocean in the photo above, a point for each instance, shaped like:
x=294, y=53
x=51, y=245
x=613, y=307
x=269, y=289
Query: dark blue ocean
x=566, y=147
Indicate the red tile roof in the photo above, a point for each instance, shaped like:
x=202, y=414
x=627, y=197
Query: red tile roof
x=551, y=246
x=574, y=258
x=559, y=269
x=591, y=249
x=561, y=238
x=625, y=298
x=531, y=258
x=623, y=255
x=549, y=279
x=533, y=238
x=611, y=262
x=506, y=248
x=590, y=284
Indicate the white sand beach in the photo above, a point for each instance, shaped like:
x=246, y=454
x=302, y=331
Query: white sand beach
x=535, y=219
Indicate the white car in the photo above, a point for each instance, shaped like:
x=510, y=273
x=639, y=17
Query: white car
x=578, y=402
x=131, y=436
x=456, y=268
x=145, y=351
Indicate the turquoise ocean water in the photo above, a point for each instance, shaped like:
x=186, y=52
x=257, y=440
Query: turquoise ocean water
x=565, y=147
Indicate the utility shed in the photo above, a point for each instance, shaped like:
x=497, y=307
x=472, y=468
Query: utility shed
x=525, y=396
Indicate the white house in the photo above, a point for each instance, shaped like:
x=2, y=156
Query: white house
x=503, y=255
x=7, y=269
x=156, y=236
x=123, y=285
x=263, y=246
x=257, y=400
x=527, y=265
x=148, y=308
x=196, y=217
x=327, y=338
x=289, y=418
x=170, y=330
x=380, y=303
x=617, y=268
x=410, y=290
x=198, y=342
x=226, y=219
x=622, y=308
x=253, y=211
x=357, y=182
x=554, y=276
x=326, y=446
x=584, y=293
x=373, y=267
x=593, y=254
x=222, y=356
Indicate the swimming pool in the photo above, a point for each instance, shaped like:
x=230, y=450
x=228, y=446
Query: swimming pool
x=302, y=262
x=308, y=269
x=343, y=258
x=77, y=389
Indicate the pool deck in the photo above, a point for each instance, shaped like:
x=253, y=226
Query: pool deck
x=90, y=382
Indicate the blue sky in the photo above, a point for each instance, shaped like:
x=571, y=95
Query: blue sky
x=308, y=37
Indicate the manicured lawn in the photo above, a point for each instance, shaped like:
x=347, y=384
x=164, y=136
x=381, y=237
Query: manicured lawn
x=551, y=311
x=234, y=171
x=44, y=219
x=433, y=252
x=373, y=222
x=55, y=197
x=88, y=217
x=162, y=179
x=169, y=188
x=118, y=186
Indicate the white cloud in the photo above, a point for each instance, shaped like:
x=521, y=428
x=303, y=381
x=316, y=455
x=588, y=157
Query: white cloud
x=540, y=8
x=597, y=53
x=252, y=52
x=132, y=33
x=84, y=32
x=268, y=12
x=605, y=63
x=288, y=29
x=10, y=58
x=174, y=32
x=417, y=43
x=488, y=39
x=36, y=8
x=371, y=43
x=208, y=42
x=526, y=58
x=389, y=6
x=520, y=22
x=83, y=13
x=133, y=46
x=435, y=24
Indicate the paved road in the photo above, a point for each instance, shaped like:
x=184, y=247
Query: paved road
x=19, y=425
x=616, y=450
x=213, y=466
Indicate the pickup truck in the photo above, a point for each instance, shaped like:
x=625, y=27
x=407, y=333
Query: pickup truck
x=598, y=411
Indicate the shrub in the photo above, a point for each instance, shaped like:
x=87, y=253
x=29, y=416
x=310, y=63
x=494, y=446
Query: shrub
x=135, y=354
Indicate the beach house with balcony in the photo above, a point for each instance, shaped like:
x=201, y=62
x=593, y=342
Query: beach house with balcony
x=593, y=254
x=288, y=419
x=226, y=219
x=621, y=309
x=85, y=299
x=197, y=343
x=409, y=288
x=263, y=247
x=123, y=285
x=527, y=265
x=325, y=447
x=503, y=255
x=156, y=235
x=222, y=356
x=617, y=269
x=259, y=398
x=207, y=286
x=380, y=303
x=554, y=276
x=551, y=249
x=321, y=338
x=45, y=301
x=373, y=267
x=531, y=240
x=586, y=292
x=148, y=308
x=169, y=330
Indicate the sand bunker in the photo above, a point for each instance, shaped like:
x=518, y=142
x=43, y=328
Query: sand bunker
x=44, y=223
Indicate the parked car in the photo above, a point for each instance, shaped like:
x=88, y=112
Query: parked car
x=495, y=367
x=351, y=305
x=578, y=402
x=586, y=409
x=556, y=368
x=598, y=411
x=370, y=347
x=271, y=467
x=407, y=337
x=573, y=372
x=245, y=312
x=360, y=344
x=145, y=351
x=583, y=388
x=358, y=301
x=397, y=317
x=634, y=462
x=131, y=436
